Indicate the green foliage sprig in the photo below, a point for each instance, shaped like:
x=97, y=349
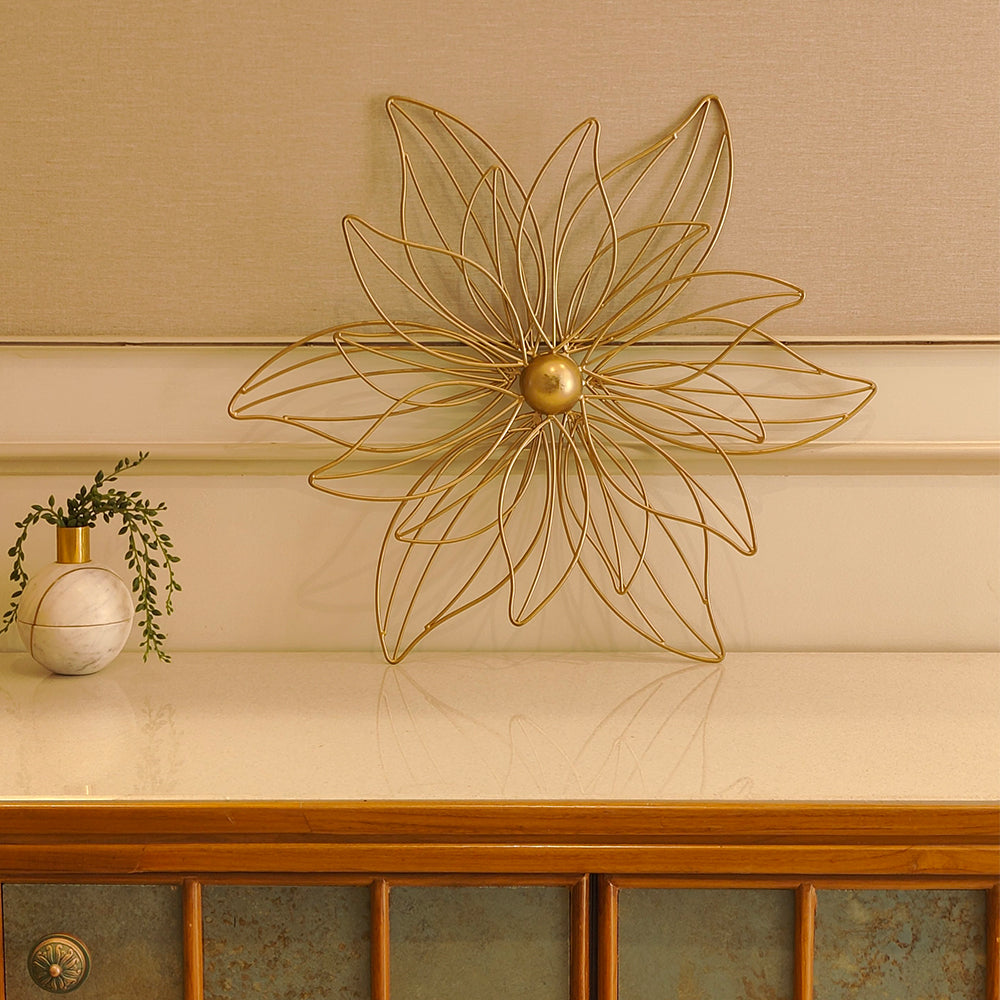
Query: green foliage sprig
x=147, y=544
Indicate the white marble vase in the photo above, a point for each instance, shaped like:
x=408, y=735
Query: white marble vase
x=75, y=615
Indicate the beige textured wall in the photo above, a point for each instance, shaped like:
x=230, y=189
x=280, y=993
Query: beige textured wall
x=178, y=169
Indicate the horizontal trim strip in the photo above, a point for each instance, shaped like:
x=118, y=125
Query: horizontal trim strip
x=225, y=458
x=818, y=340
x=566, y=822
x=58, y=840
x=58, y=861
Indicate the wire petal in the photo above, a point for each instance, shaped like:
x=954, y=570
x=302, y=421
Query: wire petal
x=568, y=204
x=442, y=554
x=381, y=404
x=685, y=177
x=667, y=599
x=711, y=305
x=540, y=542
x=459, y=194
x=437, y=285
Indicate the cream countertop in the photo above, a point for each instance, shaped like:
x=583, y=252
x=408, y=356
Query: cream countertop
x=814, y=726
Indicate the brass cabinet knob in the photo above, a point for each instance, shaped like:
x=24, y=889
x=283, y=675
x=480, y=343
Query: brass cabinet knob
x=59, y=963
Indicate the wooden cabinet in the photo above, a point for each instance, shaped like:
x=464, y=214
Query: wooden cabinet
x=554, y=901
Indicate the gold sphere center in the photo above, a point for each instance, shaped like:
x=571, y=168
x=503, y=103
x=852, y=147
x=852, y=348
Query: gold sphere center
x=551, y=383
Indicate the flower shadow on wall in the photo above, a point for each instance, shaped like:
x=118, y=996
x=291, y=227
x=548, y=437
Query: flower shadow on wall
x=544, y=358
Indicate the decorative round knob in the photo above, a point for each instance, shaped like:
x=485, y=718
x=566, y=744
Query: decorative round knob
x=59, y=963
x=551, y=383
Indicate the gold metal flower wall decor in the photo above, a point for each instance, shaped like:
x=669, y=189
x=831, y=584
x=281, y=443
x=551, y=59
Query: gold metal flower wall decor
x=546, y=361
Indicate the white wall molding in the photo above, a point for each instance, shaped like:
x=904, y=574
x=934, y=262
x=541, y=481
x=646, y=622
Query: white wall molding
x=64, y=408
x=272, y=458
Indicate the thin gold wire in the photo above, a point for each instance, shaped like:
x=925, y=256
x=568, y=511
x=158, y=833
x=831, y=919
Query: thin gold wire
x=567, y=486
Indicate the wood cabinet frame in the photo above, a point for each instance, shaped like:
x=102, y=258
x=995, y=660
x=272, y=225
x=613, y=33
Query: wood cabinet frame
x=594, y=848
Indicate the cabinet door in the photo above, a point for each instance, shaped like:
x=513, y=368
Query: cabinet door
x=480, y=942
x=831, y=941
x=286, y=942
x=706, y=943
x=896, y=944
x=132, y=934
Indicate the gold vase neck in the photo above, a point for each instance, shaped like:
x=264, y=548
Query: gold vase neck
x=73, y=545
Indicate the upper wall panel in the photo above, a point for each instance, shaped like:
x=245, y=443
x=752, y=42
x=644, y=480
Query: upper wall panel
x=178, y=171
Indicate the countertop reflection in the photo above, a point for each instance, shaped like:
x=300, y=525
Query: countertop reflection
x=760, y=726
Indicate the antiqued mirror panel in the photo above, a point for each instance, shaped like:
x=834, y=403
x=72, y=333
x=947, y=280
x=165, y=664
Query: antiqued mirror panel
x=479, y=942
x=130, y=937
x=286, y=942
x=900, y=944
x=706, y=944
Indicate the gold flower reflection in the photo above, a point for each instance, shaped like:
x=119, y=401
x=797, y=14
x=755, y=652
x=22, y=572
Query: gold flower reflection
x=537, y=350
